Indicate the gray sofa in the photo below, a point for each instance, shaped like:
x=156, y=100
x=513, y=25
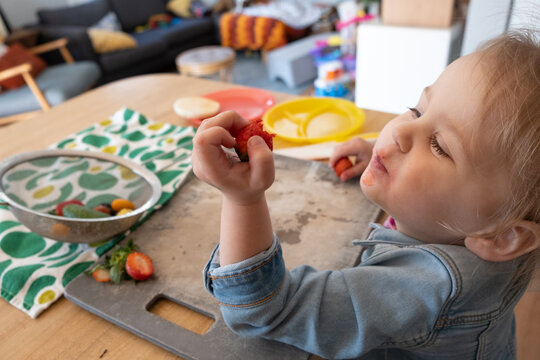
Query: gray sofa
x=156, y=49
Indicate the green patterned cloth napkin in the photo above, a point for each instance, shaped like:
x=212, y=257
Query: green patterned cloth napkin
x=35, y=270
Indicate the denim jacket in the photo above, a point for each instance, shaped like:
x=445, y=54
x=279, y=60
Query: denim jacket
x=405, y=300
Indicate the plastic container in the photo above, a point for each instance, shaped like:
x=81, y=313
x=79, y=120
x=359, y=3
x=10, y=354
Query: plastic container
x=312, y=119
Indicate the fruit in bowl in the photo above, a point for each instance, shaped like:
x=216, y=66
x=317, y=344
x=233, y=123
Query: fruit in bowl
x=37, y=184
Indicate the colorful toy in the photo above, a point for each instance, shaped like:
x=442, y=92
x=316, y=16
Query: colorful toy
x=158, y=21
x=332, y=79
x=335, y=58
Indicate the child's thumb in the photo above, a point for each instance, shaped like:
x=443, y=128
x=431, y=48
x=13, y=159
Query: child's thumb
x=260, y=157
x=257, y=147
x=256, y=143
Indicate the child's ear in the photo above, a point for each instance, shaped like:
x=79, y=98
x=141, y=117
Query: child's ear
x=520, y=239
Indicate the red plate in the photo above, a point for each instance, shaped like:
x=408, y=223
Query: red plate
x=250, y=103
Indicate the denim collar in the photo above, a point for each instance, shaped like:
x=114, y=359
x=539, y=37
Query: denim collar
x=382, y=235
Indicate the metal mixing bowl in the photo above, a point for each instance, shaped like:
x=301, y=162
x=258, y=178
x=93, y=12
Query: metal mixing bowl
x=33, y=183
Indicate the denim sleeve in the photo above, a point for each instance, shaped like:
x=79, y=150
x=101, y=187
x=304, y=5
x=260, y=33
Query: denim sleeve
x=392, y=301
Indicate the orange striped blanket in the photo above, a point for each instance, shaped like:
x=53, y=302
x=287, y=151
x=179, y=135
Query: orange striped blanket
x=242, y=32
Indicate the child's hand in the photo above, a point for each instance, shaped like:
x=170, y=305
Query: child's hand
x=242, y=182
x=360, y=149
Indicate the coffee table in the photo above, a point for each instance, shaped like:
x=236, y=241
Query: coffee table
x=207, y=60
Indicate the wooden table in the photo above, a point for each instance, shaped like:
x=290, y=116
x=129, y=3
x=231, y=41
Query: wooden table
x=65, y=331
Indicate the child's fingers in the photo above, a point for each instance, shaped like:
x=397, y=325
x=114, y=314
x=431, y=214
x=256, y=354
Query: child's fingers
x=356, y=170
x=228, y=120
x=213, y=136
x=208, y=157
x=357, y=147
x=261, y=162
x=347, y=148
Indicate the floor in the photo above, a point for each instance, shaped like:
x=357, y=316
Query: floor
x=250, y=70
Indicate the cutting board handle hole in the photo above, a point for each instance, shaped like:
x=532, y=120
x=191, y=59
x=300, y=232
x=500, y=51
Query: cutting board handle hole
x=183, y=315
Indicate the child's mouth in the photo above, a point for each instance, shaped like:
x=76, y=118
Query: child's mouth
x=377, y=163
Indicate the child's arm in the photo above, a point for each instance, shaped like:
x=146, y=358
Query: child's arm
x=360, y=149
x=246, y=229
x=395, y=300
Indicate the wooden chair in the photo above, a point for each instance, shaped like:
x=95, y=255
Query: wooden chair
x=24, y=70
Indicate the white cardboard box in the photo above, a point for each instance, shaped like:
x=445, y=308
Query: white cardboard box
x=395, y=63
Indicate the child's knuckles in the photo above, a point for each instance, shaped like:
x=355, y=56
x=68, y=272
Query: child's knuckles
x=209, y=137
x=198, y=142
x=230, y=114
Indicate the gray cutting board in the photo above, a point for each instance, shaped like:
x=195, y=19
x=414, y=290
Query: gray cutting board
x=315, y=215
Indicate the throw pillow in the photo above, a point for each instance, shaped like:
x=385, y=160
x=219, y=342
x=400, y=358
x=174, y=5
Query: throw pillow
x=17, y=55
x=180, y=8
x=242, y=32
x=108, y=22
x=105, y=41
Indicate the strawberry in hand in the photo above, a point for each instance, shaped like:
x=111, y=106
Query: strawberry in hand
x=254, y=128
x=342, y=164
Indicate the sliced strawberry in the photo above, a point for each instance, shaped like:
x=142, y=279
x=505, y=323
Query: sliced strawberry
x=102, y=275
x=342, y=164
x=254, y=128
x=139, y=266
x=104, y=209
x=60, y=206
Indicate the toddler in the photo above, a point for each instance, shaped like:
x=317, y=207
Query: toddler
x=459, y=174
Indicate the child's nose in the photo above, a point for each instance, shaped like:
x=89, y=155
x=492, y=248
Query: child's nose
x=402, y=135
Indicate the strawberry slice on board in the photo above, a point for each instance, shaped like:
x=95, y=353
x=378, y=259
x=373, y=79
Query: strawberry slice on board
x=102, y=275
x=139, y=266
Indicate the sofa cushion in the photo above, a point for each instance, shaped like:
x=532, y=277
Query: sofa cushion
x=132, y=13
x=180, y=8
x=185, y=31
x=105, y=41
x=58, y=83
x=81, y=15
x=146, y=49
x=17, y=55
x=109, y=22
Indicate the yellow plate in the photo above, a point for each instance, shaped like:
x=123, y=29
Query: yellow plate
x=314, y=119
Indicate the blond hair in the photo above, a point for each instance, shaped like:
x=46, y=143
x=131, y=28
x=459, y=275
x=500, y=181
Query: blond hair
x=511, y=64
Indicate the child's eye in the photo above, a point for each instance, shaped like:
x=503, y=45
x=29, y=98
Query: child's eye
x=435, y=145
x=416, y=112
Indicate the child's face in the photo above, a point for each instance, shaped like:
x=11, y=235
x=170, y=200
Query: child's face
x=428, y=171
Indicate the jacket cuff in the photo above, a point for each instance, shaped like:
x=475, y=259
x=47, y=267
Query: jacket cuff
x=248, y=282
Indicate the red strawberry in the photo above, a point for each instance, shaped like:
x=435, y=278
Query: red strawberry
x=104, y=209
x=102, y=275
x=60, y=206
x=254, y=128
x=341, y=165
x=139, y=266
